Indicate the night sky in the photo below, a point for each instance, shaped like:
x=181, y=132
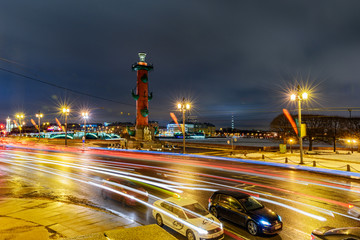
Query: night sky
x=227, y=57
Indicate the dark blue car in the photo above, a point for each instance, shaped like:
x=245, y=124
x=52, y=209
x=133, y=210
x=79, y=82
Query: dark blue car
x=242, y=209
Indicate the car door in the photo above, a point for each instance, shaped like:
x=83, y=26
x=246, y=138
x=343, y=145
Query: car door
x=223, y=206
x=167, y=220
x=236, y=212
x=176, y=221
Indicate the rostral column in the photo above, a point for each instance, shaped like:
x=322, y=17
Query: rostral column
x=142, y=97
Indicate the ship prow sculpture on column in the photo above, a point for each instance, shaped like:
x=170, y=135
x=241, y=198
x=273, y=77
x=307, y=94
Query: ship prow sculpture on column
x=143, y=136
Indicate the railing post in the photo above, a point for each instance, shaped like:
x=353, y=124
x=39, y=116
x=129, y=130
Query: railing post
x=263, y=156
x=314, y=163
x=286, y=160
x=348, y=168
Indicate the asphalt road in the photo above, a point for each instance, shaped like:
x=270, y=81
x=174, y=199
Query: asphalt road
x=304, y=200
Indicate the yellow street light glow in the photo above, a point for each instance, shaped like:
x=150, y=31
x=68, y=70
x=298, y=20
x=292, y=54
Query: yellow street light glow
x=66, y=110
x=85, y=114
x=305, y=95
x=20, y=116
x=293, y=97
x=179, y=105
x=187, y=106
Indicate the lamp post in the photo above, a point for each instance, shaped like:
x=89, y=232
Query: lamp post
x=85, y=116
x=299, y=97
x=66, y=111
x=291, y=143
x=232, y=140
x=19, y=117
x=183, y=107
x=39, y=115
x=351, y=142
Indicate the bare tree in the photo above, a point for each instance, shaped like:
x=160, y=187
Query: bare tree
x=282, y=127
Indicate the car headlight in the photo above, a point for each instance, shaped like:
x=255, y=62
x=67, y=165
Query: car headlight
x=202, y=231
x=265, y=223
x=280, y=219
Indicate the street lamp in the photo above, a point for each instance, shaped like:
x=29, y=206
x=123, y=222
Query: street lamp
x=39, y=115
x=183, y=107
x=351, y=142
x=232, y=140
x=66, y=111
x=291, y=143
x=85, y=115
x=19, y=117
x=300, y=97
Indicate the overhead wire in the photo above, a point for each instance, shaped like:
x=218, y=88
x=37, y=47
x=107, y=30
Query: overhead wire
x=61, y=87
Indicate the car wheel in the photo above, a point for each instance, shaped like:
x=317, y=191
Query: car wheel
x=190, y=235
x=214, y=212
x=252, y=227
x=159, y=220
x=103, y=194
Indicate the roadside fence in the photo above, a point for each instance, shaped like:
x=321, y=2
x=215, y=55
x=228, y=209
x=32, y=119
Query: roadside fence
x=346, y=167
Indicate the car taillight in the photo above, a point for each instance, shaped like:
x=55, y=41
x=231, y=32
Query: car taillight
x=351, y=206
x=312, y=237
x=210, y=200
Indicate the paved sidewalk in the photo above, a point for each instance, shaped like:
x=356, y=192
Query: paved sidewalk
x=315, y=160
x=33, y=219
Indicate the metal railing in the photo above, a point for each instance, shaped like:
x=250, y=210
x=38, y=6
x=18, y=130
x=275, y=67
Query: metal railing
x=313, y=163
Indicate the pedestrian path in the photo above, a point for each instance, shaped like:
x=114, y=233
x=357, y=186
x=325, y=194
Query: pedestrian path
x=341, y=160
x=34, y=219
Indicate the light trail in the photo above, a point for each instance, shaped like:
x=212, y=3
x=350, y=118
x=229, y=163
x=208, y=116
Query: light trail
x=256, y=195
x=132, y=189
x=279, y=189
x=301, y=181
x=343, y=187
x=198, y=229
x=228, y=179
x=294, y=209
x=319, y=209
x=115, y=173
x=281, y=204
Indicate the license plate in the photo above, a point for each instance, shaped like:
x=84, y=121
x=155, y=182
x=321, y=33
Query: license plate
x=277, y=226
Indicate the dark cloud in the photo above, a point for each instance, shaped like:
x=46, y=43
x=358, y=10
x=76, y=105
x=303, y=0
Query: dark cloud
x=230, y=57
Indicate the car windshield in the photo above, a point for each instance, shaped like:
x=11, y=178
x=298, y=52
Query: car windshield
x=194, y=210
x=251, y=203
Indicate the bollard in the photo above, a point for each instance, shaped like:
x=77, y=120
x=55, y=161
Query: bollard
x=314, y=163
x=286, y=160
x=263, y=156
x=348, y=168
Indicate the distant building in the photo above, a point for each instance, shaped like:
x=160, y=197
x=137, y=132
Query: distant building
x=191, y=128
x=262, y=134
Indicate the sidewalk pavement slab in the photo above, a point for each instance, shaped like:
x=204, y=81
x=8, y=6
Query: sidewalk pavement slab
x=153, y=232
x=33, y=219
